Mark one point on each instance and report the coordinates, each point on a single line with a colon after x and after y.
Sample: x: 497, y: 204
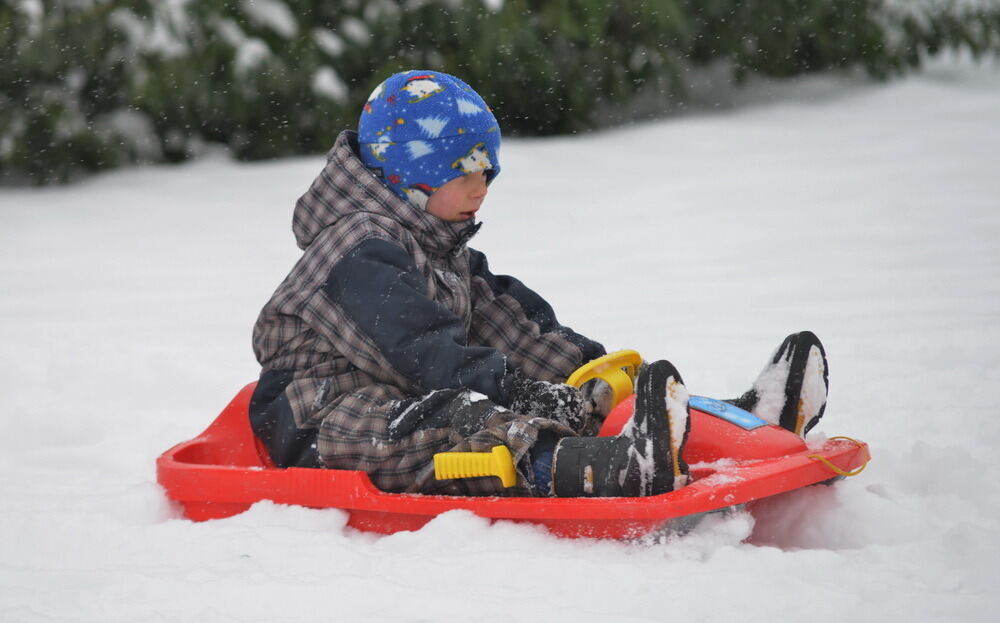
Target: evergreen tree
x: 91, y: 84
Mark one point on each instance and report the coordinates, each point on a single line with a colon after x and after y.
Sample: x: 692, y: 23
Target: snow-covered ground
x: 867, y: 213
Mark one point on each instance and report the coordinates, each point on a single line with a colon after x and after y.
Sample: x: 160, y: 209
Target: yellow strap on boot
x: 497, y: 463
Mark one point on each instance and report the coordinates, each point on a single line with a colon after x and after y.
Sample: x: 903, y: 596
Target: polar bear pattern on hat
x: 421, y: 87
x: 420, y: 129
x: 478, y: 159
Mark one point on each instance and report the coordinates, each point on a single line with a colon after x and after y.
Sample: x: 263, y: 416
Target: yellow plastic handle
x: 618, y: 370
x: 497, y: 463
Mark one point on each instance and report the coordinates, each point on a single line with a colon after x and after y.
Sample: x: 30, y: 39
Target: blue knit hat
x: 421, y: 129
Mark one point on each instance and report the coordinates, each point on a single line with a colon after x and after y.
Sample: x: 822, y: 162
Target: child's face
x: 459, y: 199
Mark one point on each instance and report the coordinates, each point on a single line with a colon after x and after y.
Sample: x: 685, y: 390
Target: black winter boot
x: 645, y: 458
x: 791, y: 389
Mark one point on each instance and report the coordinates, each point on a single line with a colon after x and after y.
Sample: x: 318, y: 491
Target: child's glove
x: 598, y: 400
x: 597, y: 396
x: 559, y: 402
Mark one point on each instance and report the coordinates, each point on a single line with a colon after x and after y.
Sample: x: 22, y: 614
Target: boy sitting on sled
x: 390, y: 340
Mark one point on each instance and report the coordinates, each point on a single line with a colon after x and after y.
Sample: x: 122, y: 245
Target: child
x: 391, y: 340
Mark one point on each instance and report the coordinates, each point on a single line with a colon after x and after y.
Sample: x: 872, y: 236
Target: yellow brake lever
x: 497, y: 463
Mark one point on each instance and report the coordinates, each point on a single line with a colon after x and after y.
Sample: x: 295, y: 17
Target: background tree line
x: 87, y: 85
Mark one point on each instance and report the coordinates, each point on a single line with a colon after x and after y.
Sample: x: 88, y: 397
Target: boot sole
x: 793, y: 416
x: 662, y: 397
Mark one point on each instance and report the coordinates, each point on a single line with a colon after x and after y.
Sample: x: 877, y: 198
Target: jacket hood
x: 346, y: 186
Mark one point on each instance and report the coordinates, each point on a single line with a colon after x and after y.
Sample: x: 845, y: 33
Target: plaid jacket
x: 381, y: 343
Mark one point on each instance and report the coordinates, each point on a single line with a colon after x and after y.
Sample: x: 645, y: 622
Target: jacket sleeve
x: 535, y: 308
x: 386, y: 316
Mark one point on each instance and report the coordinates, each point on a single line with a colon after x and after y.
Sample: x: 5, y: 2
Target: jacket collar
x: 346, y: 186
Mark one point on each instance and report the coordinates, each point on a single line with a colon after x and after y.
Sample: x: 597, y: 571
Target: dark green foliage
x: 784, y: 37
x: 87, y: 85
x: 885, y: 37
x: 545, y: 66
x: 56, y: 79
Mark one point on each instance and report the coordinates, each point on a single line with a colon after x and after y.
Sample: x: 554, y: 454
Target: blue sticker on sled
x: 726, y: 411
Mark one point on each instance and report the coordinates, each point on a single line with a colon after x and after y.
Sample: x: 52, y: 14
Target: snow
x: 813, y: 392
x: 229, y: 31
x: 327, y: 83
x: 897, y: 18
x: 250, y: 54
x: 169, y: 22
x: 272, y: 14
x: 864, y: 212
x: 770, y: 388
x: 133, y: 128
x: 165, y: 31
x: 677, y: 400
x: 35, y: 11
x: 328, y: 41
x: 355, y: 30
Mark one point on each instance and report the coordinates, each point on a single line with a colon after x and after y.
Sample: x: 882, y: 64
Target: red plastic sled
x: 734, y: 459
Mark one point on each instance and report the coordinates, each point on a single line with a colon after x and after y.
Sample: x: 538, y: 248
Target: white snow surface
x: 867, y: 213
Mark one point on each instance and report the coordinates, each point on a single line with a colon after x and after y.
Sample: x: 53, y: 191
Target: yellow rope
x: 837, y: 470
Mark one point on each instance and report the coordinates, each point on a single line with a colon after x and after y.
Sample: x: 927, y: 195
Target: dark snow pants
x: 393, y: 437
